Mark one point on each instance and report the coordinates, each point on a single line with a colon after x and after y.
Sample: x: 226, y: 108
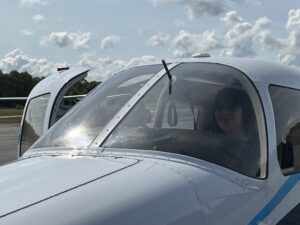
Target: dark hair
x: 232, y: 98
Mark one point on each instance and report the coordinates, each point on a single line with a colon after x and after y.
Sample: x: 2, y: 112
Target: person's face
x: 230, y: 120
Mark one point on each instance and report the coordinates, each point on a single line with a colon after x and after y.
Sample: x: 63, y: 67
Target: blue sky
x: 109, y: 35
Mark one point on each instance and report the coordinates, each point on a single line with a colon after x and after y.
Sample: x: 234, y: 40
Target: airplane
x: 183, y: 141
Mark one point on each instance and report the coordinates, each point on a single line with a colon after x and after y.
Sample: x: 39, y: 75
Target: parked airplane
x: 190, y: 141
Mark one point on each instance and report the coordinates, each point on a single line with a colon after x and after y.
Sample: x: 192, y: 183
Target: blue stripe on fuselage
x: 278, y: 197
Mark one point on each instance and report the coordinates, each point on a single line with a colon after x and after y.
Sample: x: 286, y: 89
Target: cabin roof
x: 258, y: 71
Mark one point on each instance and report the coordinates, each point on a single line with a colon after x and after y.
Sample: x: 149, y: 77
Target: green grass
x: 11, y: 112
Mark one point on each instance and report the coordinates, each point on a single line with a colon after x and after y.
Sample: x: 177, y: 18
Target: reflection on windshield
x: 84, y: 123
x: 208, y: 116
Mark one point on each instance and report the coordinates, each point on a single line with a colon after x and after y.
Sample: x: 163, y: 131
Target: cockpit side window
x: 208, y: 115
x: 286, y: 106
x: 34, y: 121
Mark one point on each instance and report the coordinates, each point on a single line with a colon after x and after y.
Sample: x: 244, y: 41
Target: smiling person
x: 235, y: 119
x: 233, y: 113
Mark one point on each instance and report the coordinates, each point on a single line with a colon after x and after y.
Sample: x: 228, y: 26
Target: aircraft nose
x: 52, y: 176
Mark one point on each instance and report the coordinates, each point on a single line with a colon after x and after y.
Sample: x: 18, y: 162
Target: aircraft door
x: 44, y: 105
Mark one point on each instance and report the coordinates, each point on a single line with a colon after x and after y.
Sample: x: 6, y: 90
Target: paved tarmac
x: 8, y: 141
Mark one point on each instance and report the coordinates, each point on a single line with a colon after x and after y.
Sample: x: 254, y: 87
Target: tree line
x: 19, y: 84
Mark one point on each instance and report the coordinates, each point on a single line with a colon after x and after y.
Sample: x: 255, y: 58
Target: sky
x: 107, y: 36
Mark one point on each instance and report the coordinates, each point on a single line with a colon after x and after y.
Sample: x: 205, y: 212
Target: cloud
x: 138, y: 61
x: 38, y: 18
x: 293, y: 19
x: 158, y: 39
x: 231, y: 18
x: 110, y: 41
x: 78, y: 40
x: 185, y: 44
x: 13, y: 60
x: 237, y: 38
x: 269, y: 42
x: 243, y: 39
x: 199, y: 8
x: 101, y: 68
x: 27, y: 32
x: 291, y: 53
x: 17, y: 60
x: 31, y: 3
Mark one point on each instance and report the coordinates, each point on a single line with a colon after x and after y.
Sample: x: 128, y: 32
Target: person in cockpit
x: 233, y: 113
x: 235, y: 119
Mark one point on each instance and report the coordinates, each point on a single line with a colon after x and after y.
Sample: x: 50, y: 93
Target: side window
x: 286, y: 106
x: 34, y: 121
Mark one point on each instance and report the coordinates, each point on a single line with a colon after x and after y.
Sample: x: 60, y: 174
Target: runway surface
x: 8, y: 141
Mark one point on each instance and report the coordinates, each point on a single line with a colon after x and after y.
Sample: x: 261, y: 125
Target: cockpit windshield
x: 209, y: 115
x: 83, y: 124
